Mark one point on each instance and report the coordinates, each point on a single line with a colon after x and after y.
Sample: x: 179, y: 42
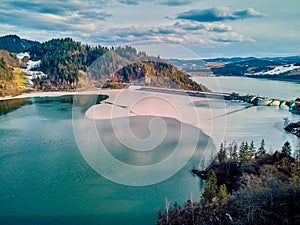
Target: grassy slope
x: 11, y: 86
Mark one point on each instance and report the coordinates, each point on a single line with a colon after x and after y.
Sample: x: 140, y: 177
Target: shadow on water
x: 232, y: 112
x: 7, y: 106
x: 86, y: 101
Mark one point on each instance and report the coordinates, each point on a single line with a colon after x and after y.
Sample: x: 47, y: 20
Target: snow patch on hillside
x: 29, y: 66
x: 279, y: 69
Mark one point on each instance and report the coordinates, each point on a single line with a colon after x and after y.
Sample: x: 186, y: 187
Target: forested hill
x: 14, y: 43
x: 10, y: 74
x: 158, y: 74
x: 65, y: 61
x: 244, y: 185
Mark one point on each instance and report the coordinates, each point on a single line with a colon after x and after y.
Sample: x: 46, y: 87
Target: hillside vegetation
x: 10, y: 58
x: 10, y: 77
x: 63, y: 60
x: 66, y: 62
x: 244, y: 185
x: 71, y: 65
x: 157, y: 74
x: 14, y: 43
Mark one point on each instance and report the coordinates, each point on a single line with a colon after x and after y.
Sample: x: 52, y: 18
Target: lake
x: 262, y: 87
x: 257, y: 122
x: 46, y: 179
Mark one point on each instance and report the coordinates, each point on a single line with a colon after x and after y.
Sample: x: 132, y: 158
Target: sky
x: 169, y: 28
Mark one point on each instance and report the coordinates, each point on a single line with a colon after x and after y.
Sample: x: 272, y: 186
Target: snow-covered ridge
x: 278, y: 70
x: 31, y: 65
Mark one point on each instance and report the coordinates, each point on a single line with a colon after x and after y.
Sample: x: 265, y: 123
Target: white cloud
x: 218, y: 14
x: 178, y: 33
x: 213, y: 27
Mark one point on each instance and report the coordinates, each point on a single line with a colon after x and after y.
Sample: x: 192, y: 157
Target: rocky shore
x: 293, y: 128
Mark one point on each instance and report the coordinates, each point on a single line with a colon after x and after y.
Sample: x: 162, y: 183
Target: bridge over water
x: 293, y: 105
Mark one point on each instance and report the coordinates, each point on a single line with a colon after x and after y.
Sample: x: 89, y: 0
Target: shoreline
x: 46, y: 94
x: 212, y: 116
x: 62, y: 93
x: 140, y: 102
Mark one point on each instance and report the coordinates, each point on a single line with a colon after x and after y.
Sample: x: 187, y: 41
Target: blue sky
x: 170, y: 28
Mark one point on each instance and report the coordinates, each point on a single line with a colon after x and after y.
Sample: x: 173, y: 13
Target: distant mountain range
x: 15, y: 44
x: 282, y: 68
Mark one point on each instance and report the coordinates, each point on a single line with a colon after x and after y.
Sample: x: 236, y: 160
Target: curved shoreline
x: 214, y: 119
x: 38, y: 94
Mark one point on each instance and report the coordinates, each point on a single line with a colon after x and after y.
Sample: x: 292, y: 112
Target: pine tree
x: 210, y: 188
x: 244, y: 151
x: 222, y: 155
x: 286, y: 150
x: 235, y: 156
x: 261, y: 149
x: 252, y: 149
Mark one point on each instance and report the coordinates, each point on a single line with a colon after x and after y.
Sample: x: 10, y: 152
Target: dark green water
x: 45, y: 180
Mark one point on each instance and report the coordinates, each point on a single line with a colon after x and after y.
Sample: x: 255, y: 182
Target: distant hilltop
x: 15, y: 44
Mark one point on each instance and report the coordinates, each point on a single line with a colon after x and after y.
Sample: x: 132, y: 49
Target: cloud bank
x: 218, y: 14
x: 191, y: 23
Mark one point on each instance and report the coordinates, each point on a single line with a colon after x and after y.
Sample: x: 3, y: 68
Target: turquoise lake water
x: 45, y: 180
